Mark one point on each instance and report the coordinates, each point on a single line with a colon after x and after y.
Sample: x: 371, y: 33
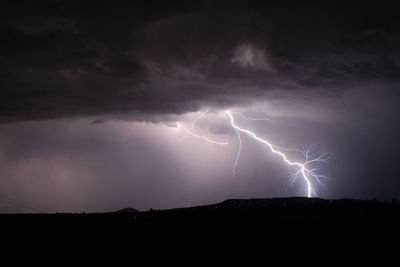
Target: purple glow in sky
x: 97, y: 100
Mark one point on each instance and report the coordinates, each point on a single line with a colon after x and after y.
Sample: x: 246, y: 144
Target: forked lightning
x: 304, y: 169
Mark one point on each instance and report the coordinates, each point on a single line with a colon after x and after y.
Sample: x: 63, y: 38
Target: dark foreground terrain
x: 236, y: 214
x: 246, y: 229
x: 230, y: 229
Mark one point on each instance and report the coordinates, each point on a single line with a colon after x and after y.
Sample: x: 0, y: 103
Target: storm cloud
x: 63, y: 58
x: 91, y: 93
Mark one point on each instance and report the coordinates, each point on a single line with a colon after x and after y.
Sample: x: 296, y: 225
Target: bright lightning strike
x: 238, y: 153
x: 189, y: 132
x: 309, y: 174
x: 306, y: 173
x: 252, y: 119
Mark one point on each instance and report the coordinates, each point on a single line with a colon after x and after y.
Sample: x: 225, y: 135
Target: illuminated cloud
x: 97, y: 92
x: 247, y: 56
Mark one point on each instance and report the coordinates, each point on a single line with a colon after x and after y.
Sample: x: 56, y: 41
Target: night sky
x: 94, y: 94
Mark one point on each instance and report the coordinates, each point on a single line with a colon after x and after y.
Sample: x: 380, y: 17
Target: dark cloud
x: 64, y: 58
x: 98, y: 121
x: 320, y: 71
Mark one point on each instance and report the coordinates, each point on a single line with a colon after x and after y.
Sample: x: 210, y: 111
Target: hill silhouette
x: 229, y: 215
x: 127, y: 210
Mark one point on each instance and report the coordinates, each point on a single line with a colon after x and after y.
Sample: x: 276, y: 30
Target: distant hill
x: 126, y: 210
x: 292, y: 202
x: 284, y: 223
x: 234, y: 214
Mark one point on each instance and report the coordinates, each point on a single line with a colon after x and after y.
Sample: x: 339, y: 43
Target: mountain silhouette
x: 127, y: 210
x: 233, y: 215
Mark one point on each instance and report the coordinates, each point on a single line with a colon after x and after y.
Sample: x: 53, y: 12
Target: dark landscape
x: 314, y: 212
x: 210, y: 119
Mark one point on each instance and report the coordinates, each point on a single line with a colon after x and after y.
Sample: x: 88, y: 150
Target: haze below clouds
x: 91, y: 94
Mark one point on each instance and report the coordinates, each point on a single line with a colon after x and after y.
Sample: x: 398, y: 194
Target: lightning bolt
x: 305, y: 172
x: 309, y: 174
x: 240, y: 139
x: 238, y: 153
x: 251, y: 119
x: 189, y: 131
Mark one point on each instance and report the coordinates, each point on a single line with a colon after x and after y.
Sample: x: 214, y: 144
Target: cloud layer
x: 63, y: 59
x: 91, y: 93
